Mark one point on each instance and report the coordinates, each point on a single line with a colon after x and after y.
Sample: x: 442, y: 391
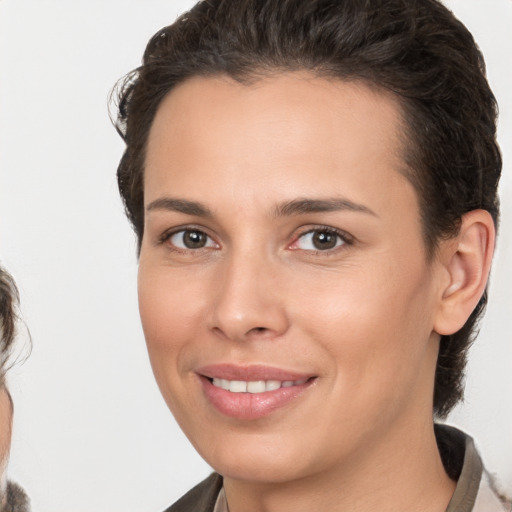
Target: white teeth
x: 254, y: 386
x: 238, y: 386
x: 221, y: 383
x: 257, y: 386
x: 273, y: 384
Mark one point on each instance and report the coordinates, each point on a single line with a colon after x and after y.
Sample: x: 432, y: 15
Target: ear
x: 467, y: 259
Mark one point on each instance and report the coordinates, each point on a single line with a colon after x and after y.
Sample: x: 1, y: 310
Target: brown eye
x: 323, y: 240
x: 191, y: 239
x: 319, y: 240
x: 194, y: 239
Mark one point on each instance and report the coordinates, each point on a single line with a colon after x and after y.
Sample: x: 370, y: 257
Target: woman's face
x: 283, y: 260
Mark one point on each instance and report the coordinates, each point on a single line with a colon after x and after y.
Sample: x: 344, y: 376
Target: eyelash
x: 343, y: 237
x: 167, y: 235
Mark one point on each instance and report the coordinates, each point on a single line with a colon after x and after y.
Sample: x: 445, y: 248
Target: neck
x: 401, y: 471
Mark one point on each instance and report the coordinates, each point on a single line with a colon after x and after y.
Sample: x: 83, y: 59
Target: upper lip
x: 248, y: 373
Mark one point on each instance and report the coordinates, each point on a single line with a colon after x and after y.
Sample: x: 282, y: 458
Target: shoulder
x: 16, y: 499
x: 489, y: 498
x: 201, y: 498
x: 475, y: 490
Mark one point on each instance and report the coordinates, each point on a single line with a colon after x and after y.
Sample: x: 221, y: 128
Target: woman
x: 313, y: 187
x: 12, y: 497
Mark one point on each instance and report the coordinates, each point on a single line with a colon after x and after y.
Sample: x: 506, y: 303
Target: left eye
x: 319, y: 240
x: 191, y: 239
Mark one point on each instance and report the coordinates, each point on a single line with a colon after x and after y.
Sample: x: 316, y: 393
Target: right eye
x: 190, y: 239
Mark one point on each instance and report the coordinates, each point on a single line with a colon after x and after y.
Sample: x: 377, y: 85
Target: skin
x: 363, y: 317
x: 5, y: 436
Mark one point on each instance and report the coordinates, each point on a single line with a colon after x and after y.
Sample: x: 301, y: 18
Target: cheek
x: 169, y: 310
x: 374, y: 322
x: 169, y: 306
x: 170, y: 322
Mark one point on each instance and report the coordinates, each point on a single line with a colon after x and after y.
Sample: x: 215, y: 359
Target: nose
x: 248, y: 303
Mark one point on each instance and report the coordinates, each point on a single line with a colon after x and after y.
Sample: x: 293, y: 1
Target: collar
x: 475, y: 490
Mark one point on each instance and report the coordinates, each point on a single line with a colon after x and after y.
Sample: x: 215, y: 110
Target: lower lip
x: 251, y: 406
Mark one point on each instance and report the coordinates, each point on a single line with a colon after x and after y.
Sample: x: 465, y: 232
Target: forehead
x: 280, y: 100
x: 290, y: 127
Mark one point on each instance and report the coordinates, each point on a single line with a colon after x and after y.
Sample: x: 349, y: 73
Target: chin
x: 258, y: 458
x: 258, y: 470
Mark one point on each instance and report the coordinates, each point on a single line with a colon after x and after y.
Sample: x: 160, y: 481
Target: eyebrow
x: 286, y: 209
x: 303, y: 206
x: 179, y: 205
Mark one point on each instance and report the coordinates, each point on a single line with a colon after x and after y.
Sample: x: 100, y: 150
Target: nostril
x: 257, y: 330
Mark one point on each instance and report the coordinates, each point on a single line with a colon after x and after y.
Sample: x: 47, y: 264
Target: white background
x: 91, y: 430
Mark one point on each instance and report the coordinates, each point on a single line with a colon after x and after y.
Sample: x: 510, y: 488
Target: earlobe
x: 467, y: 260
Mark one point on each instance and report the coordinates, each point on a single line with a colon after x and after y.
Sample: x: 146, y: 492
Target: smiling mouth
x: 254, y: 386
x: 251, y: 392
x: 249, y: 400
